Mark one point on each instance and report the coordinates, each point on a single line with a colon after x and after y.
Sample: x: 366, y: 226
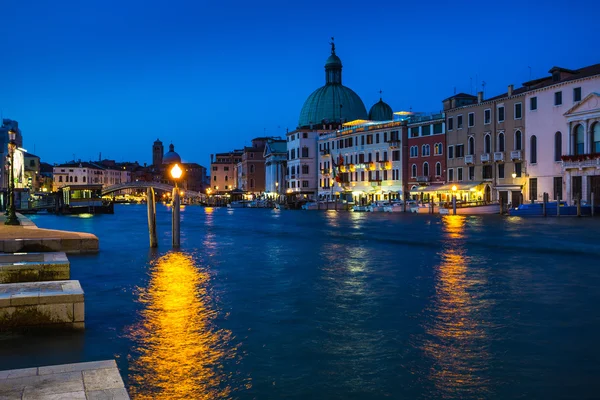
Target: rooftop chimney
x: 510, y: 90
x: 479, y: 97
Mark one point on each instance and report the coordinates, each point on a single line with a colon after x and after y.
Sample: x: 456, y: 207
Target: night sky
x: 111, y: 76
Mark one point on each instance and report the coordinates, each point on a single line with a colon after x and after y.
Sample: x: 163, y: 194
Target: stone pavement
x: 27, y: 238
x: 86, y: 381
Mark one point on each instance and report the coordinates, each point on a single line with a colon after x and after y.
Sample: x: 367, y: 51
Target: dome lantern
x: 171, y: 157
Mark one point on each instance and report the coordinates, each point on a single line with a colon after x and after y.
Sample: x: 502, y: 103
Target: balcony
x: 581, y: 161
x: 499, y: 156
x: 423, y: 179
x: 325, y: 171
x: 469, y: 159
x: 485, y: 158
x: 326, y: 152
x: 516, y: 155
x: 393, y: 143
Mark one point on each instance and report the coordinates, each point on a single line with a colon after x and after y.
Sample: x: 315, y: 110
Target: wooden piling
x: 544, y: 204
x: 579, y: 206
x: 151, y: 205
x: 592, y: 201
x: 453, y: 204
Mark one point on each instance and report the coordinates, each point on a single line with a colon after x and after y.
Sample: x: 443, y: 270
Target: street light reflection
x: 180, y: 353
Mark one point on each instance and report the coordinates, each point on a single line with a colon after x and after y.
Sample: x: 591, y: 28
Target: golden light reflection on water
x: 181, y: 353
x: 457, y: 341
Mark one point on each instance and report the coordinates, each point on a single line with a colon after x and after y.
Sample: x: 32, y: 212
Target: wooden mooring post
x: 545, y: 204
x: 151, y: 203
x: 579, y: 205
x: 592, y: 201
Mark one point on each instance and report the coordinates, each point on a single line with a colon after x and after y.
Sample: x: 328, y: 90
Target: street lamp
x: 12, y: 215
x: 514, y: 175
x: 176, y: 173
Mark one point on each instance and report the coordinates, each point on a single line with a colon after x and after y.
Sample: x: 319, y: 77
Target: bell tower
x: 157, y: 153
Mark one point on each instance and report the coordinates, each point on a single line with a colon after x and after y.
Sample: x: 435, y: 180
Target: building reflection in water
x: 455, y: 329
x: 179, y: 353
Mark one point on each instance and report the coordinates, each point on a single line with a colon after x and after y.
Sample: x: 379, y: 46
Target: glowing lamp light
x: 514, y: 175
x: 454, y: 188
x: 176, y: 171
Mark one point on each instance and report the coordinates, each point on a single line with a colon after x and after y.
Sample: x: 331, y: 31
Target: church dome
x: 381, y: 111
x: 333, y: 102
x: 171, y: 157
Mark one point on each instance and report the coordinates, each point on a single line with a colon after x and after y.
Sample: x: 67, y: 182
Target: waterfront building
x: 45, y: 177
x: 302, y: 159
x: 485, y: 143
x: 223, y: 177
x: 275, y: 156
x: 157, y: 153
x: 251, y: 169
x: 563, y: 134
x: 323, y: 112
x: 362, y: 161
x: 7, y: 125
x: 426, y: 163
x: 31, y: 168
x: 87, y: 173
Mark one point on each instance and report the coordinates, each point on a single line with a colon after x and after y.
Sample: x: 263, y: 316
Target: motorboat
x: 239, y: 204
x: 362, y: 209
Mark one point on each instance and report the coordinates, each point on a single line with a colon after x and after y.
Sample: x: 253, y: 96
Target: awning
x: 448, y: 187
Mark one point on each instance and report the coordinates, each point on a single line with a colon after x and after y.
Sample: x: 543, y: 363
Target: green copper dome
x: 381, y: 111
x: 333, y: 102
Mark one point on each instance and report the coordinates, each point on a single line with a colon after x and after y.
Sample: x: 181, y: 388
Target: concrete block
x: 57, y: 369
x: 79, y: 395
x: 78, y: 326
x: 12, y: 245
x: 101, y: 379
x: 24, y: 299
x: 52, y: 244
x: 56, y: 313
x: 55, y: 297
x: 108, y: 394
x: 89, y: 244
x: 78, y: 312
x: 70, y: 245
x: 47, y: 385
x: 18, y: 373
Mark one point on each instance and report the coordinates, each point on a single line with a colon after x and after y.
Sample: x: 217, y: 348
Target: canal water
x: 268, y: 304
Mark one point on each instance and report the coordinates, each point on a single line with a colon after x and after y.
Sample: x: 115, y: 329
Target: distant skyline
x: 110, y: 77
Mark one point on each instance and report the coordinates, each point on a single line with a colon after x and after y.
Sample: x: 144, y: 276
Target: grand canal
x: 333, y: 305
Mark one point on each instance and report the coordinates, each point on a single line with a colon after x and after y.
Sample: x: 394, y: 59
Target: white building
x: 275, y: 156
x: 302, y: 161
x: 86, y: 173
x: 563, y: 134
x: 361, y: 162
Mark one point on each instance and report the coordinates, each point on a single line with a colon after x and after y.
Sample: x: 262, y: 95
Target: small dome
x: 171, y: 157
x: 333, y: 61
x: 381, y: 111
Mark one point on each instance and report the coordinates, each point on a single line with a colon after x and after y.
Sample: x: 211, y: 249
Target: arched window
x: 226, y: 178
x: 426, y: 169
x: 438, y: 169
x: 84, y: 179
x: 596, y: 138
x: 251, y: 168
x: 518, y: 140
x: 557, y: 146
x: 487, y: 144
x: 471, y: 146
x: 579, y: 140
x: 501, y: 141
x: 75, y: 179
x: 414, y: 171
x: 70, y: 179
x: 533, y: 150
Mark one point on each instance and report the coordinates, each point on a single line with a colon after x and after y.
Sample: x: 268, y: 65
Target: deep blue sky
x: 90, y: 76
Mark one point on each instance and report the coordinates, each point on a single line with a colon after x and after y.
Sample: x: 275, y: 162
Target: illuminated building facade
x: 362, y: 161
x: 275, y: 156
x: 223, y: 176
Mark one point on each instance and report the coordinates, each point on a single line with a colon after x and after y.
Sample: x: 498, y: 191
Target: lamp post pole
x: 454, y: 200
x: 12, y: 215
x: 176, y: 174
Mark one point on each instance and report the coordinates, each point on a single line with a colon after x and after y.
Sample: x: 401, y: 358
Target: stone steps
x: 88, y: 380
x: 49, y: 304
x: 33, y: 267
